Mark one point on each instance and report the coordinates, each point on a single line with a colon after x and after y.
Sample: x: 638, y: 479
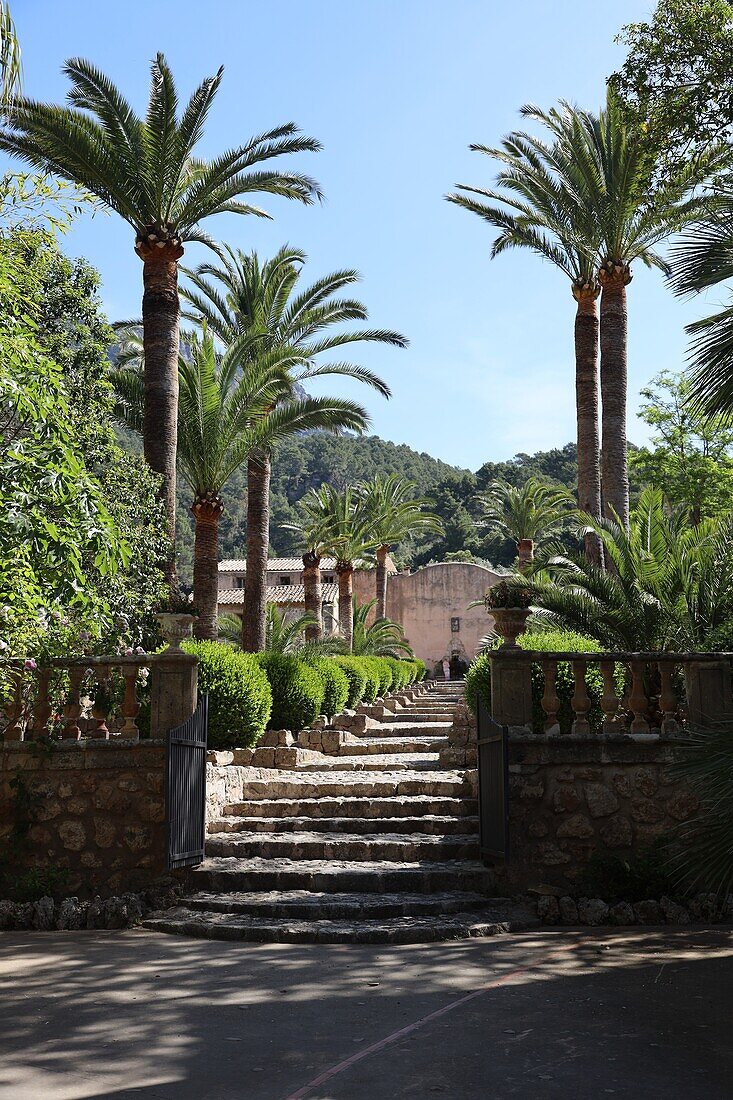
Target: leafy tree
x: 528, y: 515
x: 146, y: 171
x: 690, y: 458
x: 395, y: 512
x: 676, y: 77
x: 263, y: 300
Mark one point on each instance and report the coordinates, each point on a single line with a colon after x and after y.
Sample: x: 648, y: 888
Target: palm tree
x: 395, y: 514
x: 384, y: 638
x: 146, y: 171
x: 701, y: 259
x: 527, y: 515
x: 542, y: 209
x: 634, y: 207
x: 311, y: 530
x: 242, y: 294
x: 223, y: 413
x: 10, y: 67
x: 341, y: 526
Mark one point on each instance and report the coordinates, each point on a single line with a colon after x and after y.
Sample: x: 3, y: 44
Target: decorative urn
x: 175, y: 627
x: 508, y: 603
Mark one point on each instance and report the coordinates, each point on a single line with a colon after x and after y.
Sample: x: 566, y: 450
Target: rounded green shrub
x: 371, y: 675
x: 478, y: 677
x: 240, y: 699
x: 383, y: 670
x: 355, y: 676
x: 297, y: 691
x: 336, y: 685
x: 421, y: 670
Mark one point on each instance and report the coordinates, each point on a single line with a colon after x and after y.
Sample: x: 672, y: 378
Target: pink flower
x: 29, y: 663
x: 128, y: 652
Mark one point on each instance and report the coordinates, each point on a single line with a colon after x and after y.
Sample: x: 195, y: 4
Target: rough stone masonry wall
x: 571, y: 797
x: 98, y: 809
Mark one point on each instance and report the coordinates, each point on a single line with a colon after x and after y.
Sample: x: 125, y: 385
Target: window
x: 328, y: 579
x: 455, y: 626
x: 285, y: 580
x: 239, y: 582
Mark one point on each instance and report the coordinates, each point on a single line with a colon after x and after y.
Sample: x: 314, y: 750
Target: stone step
x: 386, y: 785
x: 374, y: 762
x: 230, y: 926
x: 414, y: 718
x: 406, y: 729
x: 224, y: 875
x: 381, y: 745
x: 358, y: 808
x: 305, y: 904
x: 432, y: 824
x: 342, y: 847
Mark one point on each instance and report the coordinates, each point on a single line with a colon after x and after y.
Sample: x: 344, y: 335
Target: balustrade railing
x: 629, y: 694
x: 96, y: 698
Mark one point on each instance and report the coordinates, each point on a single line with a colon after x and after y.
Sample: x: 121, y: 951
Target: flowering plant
x: 508, y: 594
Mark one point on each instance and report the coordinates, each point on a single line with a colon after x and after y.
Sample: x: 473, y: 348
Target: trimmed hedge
x: 421, y: 670
x: 478, y: 678
x: 384, y: 673
x: 240, y: 699
x: 336, y: 685
x: 297, y: 691
x: 356, y: 677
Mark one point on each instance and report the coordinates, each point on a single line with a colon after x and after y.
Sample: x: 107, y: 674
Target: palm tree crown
x: 527, y: 515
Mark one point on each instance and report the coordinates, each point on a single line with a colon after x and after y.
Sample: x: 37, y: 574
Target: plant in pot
x: 508, y: 602
x: 176, y: 618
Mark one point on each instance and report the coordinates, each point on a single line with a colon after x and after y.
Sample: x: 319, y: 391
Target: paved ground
x: 558, y: 1014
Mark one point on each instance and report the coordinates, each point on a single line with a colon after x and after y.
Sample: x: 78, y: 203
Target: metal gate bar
x: 185, y: 789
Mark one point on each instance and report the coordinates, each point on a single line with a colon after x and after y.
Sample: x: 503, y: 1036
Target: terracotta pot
x: 509, y: 623
x: 175, y: 627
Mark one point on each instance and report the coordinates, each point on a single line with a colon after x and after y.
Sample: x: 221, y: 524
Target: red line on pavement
x: 389, y: 1039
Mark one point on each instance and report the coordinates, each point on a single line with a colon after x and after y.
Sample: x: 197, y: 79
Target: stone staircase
x: 377, y: 845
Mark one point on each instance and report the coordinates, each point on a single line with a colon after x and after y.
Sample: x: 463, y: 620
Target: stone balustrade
x: 97, y: 698
x: 644, y: 695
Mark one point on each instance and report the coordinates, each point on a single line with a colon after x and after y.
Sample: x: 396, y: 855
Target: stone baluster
x: 14, y: 709
x: 130, y: 707
x: 42, y: 708
x: 610, y: 701
x: 638, y: 704
x: 581, y: 700
x: 667, y: 698
x: 100, y: 710
x: 550, y: 699
x: 72, y: 710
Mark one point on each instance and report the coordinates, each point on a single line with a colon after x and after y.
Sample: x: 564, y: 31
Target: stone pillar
x: 511, y: 690
x: 709, y: 695
x: 173, y: 691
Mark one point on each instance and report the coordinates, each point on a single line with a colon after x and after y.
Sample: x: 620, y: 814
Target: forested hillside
x: 310, y: 460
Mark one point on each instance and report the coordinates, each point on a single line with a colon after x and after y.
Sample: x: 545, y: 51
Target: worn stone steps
x: 415, y: 718
x: 315, y: 905
x: 407, y: 929
x: 345, y: 876
x: 431, y: 824
x: 400, y: 847
x: 367, y: 744
x: 353, y: 807
x: 374, y: 762
x: 384, y: 785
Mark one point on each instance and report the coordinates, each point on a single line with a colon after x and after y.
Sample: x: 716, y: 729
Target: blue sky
x: 396, y: 90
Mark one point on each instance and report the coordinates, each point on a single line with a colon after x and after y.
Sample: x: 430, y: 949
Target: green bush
x: 383, y: 670
x: 478, y: 678
x: 421, y: 670
x: 240, y: 700
x: 402, y: 673
x: 356, y: 677
x: 335, y: 682
x: 297, y: 691
x: 371, y: 675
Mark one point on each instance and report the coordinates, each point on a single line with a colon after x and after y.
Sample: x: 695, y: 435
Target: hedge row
x: 251, y: 692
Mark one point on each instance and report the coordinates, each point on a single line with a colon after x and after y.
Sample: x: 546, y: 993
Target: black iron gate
x: 185, y: 789
x: 493, y: 785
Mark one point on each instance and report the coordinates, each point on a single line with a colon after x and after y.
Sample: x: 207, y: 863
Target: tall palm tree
x: 340, y: 524
x: 10, y: 67
x: 243, y: 294
x: 542, y: 209
x: 396, y: 512
x: 223, y: 417
x: 311, y: 530
x: 701, y: 259
x: 146, y: 171
x: 527, y: 515
x: 384, y: 638
x: 634, y: 207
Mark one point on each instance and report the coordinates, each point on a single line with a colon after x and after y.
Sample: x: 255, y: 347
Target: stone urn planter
x: 175, y: 628
x: 509, y: 623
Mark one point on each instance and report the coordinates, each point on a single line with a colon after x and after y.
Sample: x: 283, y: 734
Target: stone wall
x: 97, y: 809
x: 571, y: 797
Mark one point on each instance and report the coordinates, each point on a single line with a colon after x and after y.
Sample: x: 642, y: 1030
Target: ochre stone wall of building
x: 571, y: 797
x: 424, y: 603
x: 98, y: 809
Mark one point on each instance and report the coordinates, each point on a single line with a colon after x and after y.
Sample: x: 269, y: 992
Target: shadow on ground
x: 620, y: 1013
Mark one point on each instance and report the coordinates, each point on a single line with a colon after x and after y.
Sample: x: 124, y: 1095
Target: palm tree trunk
x: 525, y: 554
x: 345, y: 571
x: 259, y: 469
x: 381, y: 571
x: 586, y: 399
x: 312, y: 586
x: 207, y: 514
x: 614, y: 278
x: 161, y: 314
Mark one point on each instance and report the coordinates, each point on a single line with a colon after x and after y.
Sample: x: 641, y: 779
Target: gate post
x: 511, y: 690
x: 173, y: 691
